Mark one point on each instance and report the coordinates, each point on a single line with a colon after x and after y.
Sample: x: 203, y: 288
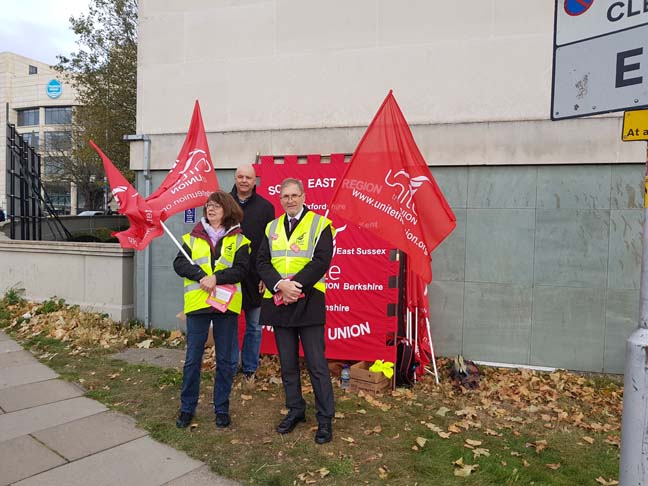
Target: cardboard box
x: 367, y: 381
x: 356, y: 385
x: 360, y: 371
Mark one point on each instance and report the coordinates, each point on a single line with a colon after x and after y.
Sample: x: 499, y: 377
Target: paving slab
x: 16, y: 358
x: 201, y: 476
x: 31, y: 420
x: 23, y: 457
x: 35, y: 394
x: 4, y: 336
x: 142, y: 462
x: 162, y: 357
x: 9, y: 346
x: 27, y: 373
x: 90, y: 435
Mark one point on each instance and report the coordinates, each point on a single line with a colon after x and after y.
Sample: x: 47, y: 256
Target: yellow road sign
x: 635, y: 125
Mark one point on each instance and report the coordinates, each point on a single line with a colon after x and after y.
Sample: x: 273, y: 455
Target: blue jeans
x: 225, y: 328
x: 251, y: 342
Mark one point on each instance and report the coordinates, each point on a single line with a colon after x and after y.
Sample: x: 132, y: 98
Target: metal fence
x: 29, y: 207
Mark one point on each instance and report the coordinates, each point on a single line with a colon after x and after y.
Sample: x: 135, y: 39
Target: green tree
x: 104, y: 73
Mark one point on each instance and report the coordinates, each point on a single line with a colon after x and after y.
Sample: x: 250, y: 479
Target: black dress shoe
x: 184, y: 420
x: 289, y: 423
x: 324, y: 433
x: 222, y: 420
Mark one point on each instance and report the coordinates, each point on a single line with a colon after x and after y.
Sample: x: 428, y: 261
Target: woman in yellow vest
x: 220, y: 253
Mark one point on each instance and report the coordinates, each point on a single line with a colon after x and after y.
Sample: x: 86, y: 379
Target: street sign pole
x: 633, y: 469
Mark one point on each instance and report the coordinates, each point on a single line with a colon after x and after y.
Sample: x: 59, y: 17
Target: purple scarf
x: 214, y: 235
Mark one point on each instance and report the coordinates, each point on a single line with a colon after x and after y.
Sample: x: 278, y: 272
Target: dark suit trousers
x: 312, y: 340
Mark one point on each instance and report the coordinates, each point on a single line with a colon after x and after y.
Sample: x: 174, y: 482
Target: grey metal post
x: 147, y: 251
x: 633, y: 468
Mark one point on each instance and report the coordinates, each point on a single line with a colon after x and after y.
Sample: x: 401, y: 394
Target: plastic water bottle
x: 345, y: 377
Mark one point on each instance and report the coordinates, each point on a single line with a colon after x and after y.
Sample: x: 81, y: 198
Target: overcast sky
x: 39, y: 29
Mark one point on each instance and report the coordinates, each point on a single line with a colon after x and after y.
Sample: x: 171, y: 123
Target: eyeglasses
x: 213, y: 206
x: 290, y: 197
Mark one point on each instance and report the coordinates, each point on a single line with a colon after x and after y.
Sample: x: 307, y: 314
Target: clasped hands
x: 290, y: 289
x: 208, y: 283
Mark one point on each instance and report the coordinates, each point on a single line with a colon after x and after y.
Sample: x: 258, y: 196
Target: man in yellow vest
x: 292, y: 261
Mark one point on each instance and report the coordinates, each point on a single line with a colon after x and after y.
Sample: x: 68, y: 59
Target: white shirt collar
x: 298, y: 215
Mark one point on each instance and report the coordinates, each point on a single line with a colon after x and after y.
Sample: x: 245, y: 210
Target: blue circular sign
x: 577, y: 7
x: 54, y: 88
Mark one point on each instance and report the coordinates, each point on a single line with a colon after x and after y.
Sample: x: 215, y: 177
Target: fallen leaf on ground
x: 553, y: 466
x: 246, y: 397
x: 174, y: 335
x: 473, y: 442
x: 146, y: 344
x: 589, y: 440
x: 606, y: 482
x: 442, y: 411
x: 421, y: 441
x: 538, y: 445
x: 432, y: 427
x: 463, y: 470
x: 479, y: 451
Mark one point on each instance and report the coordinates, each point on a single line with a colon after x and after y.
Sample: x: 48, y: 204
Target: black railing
x: 28, y: 204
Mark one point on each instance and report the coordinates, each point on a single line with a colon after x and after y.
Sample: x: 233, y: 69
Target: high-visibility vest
x: 289, y: 256
x: 194, y: 297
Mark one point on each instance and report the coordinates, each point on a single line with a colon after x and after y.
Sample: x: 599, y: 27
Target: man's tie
x: 293, y: 223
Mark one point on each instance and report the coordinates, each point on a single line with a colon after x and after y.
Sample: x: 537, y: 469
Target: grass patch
x: 518, y: 427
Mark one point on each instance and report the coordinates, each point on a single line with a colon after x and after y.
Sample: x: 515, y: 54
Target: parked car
x: 90, y: 213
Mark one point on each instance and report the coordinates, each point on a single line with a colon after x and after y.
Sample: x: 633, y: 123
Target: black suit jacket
x: 307, y: 311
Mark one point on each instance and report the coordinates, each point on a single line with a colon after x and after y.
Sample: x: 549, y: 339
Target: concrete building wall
x: 96, y: 276
x: 555, y: 285
x: 543, y: 268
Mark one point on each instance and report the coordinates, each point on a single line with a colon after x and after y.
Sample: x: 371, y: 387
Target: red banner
x: 192, y: 178
x: 361, y: 304
x: 388, y: 190
x: 144, y: 221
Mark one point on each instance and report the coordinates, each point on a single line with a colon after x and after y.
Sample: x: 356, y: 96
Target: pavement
x: 51, y: 434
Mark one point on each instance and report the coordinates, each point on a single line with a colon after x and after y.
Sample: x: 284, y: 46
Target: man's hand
x: 208, y: 283
x: 262, y: 286
x: 291, y: 290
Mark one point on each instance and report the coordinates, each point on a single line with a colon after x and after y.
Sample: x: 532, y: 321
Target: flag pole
x: 177, y: 243
x: 436, y: 372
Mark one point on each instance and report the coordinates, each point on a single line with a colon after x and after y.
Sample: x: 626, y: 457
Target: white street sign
x: 600, y: 57
x: 578, y: 20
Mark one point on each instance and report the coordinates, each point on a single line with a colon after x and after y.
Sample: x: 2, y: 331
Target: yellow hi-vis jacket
x: 194, y: 297
x: 289, y: 256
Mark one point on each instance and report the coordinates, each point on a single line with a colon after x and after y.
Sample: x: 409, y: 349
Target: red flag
x: 388, y: 190
x: 144, y: 221
x: 192, y: 178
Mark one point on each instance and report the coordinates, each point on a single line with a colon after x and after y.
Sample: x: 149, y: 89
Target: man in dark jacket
x: 257, y: 213
x: 292, y: 261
